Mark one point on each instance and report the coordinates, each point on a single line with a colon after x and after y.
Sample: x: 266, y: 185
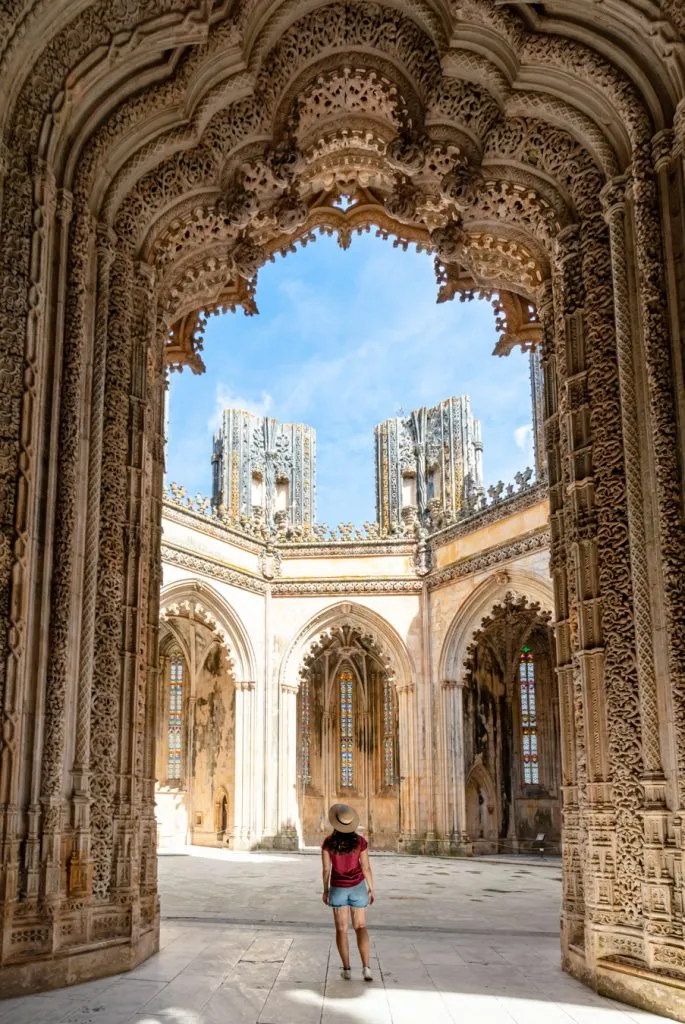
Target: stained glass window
x: 175, y: 720
x: 529, y: 721
x: 388, y: 733
x: 305, y: 729
x: 345, y: 681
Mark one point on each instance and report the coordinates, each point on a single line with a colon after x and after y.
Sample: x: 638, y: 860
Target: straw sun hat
x: 343, y: 818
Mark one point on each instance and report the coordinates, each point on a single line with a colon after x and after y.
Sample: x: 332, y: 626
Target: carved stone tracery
x: 195, y: 179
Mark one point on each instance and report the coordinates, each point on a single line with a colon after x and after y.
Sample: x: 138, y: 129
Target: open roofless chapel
x: 471, y: 671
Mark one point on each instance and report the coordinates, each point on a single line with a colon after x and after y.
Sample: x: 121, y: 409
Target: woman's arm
x: 326, y: 871
x: 366, y: 868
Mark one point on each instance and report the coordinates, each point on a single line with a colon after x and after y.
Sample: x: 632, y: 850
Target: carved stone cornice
x: 536, y: 540
x: 348, y: 548
x: 177, y: 556
x: 387, y: 585
x: 211, y: 527
x: 492, y: 514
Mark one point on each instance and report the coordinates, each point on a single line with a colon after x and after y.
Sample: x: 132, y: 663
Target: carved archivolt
x: 153, y: 155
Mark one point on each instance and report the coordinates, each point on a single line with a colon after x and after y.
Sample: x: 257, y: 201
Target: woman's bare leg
x: 341, y: 916
x: 359, y: 925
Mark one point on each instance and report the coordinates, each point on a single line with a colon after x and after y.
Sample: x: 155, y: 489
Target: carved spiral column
x: 288, y: 811
x: 107, y: 674
x: 245, y: 765
x: 657, y: 345
x: 455, y: 770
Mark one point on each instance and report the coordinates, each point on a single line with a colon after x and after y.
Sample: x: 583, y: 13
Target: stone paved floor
x: 246, y: 940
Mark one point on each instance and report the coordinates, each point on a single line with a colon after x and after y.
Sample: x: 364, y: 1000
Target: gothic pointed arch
x: 203, y: 601
x: 369, y: 623
x: 489, y: 592
x: 153, y: 156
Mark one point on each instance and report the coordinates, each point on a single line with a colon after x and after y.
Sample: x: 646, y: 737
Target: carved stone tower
x: 429, y: 463
x: 263, y: 467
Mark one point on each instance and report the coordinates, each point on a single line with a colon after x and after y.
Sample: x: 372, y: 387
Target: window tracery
x: 389, y: 774
x: 175, y: 676
x: 529, y: 722
x: 345, y: 687
x: 305, y: 731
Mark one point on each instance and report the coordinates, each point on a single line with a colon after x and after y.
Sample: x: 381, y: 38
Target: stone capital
x: 613, y: 195
x: 663, y: 145
x: 453, y: 684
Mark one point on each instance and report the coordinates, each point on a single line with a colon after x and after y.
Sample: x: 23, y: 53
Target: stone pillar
x: 614, y: 201
x: 455, y: 769
x: 288, y: 811
x: 408, y: 787
x: 537, y: 389
x: 65, y: 611
x: 80, y: 864
x: 245, y: 765
x: 657, y: 352
x: 107, y: 674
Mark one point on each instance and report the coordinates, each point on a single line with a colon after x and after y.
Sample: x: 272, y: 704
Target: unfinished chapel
x: 480, y: 665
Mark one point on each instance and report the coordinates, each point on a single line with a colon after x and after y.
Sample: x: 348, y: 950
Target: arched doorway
x: 538, y: 154
x: 481, y: 809
x: 348, y: 740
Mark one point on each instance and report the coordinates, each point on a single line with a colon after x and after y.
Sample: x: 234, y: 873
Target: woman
x: 348, y: 884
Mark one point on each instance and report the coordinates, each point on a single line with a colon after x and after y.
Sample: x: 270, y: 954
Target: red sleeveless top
x: 346, y: 867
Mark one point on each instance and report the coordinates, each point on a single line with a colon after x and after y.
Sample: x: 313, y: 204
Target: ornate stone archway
x: 153, y: 156
x: 220, y: 723
x: 376, y: 637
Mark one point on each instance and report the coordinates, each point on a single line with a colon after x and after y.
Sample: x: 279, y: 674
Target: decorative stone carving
x: 148, y: 115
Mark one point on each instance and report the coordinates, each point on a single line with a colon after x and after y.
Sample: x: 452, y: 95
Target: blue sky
x: 343, y: 340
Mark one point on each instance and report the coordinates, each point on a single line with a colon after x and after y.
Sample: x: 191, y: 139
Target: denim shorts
x: 352, y: 896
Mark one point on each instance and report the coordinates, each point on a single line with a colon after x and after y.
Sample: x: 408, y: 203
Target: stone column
x: 80, y: 865
x: 407, y: 791
x: 537, y: 389
x: 455, y: 769
x: 664, y: 450
x: 65, y: 608
x: 107, y: 672
x: 554, y: 308
x: 245, y: 766
x: 288, y: 811
x: 614, y: 202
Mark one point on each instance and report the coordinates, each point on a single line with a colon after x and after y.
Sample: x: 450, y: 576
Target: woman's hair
x: 342, y: 842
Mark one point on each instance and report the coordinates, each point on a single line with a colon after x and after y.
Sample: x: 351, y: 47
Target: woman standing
x: 348, y: 884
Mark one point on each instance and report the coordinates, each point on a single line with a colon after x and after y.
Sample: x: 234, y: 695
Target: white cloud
x: 523, y: 436
x: 227, y: 398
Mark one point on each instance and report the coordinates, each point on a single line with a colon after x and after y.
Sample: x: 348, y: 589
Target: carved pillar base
x: 100, y: 953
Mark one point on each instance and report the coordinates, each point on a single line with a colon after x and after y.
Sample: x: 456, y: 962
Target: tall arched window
x: 305, y: 731
x: 389, y: 773
x: 345, y: 684
x: 529, y: 722
x: 175, y: 719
